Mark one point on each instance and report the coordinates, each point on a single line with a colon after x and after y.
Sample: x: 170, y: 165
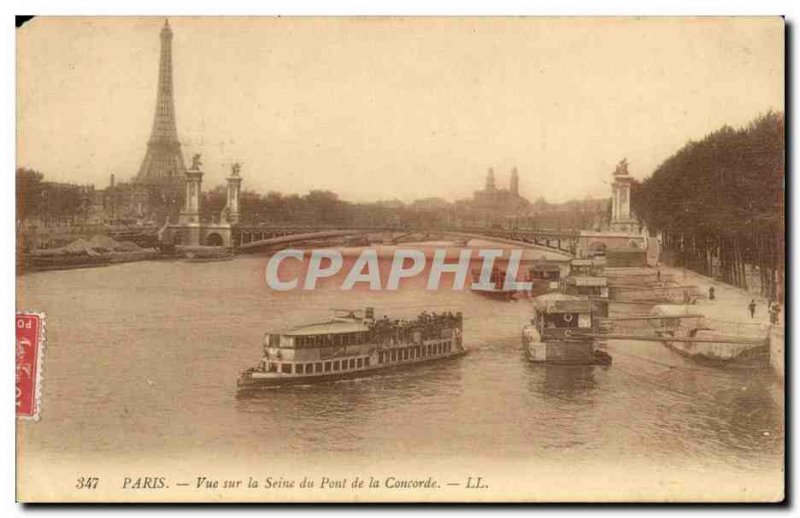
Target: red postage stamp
x: 30, y: 348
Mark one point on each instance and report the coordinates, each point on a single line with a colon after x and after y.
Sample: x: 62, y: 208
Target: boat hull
x: 725, y: 353
x: 745, y: 357
x: 496, y: 294
x: 248, y: 385
x: 566, y: 353
x: 561, y: 351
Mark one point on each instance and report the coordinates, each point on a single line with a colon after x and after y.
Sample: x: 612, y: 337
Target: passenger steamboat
x: 352, y: 344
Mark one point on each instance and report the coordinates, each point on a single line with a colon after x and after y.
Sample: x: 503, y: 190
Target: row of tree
x: 49, y: 201
x: 43, y: 201
x: 294, y: 209
x: 719, y: 203
x: 326, y: 206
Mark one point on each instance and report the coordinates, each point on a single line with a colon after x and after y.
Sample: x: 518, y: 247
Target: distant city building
x: 500, y: 201
x: 506, y: 208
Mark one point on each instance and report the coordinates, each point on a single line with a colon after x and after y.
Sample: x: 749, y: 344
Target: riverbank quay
x: 730, y: 303
x: 36, y: 263
x: 102, y: 250
x: 38, y: 237
x: 729, y: 311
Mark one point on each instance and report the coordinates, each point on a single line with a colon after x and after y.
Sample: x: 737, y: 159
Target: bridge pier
x: 200, y: 234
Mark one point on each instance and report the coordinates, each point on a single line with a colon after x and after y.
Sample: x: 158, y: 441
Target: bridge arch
x: 597, y: 246
x: 563, y: 244
x: 214, y: 239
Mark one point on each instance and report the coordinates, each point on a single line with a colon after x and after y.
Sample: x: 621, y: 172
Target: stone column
x: 625, y: 201
x: 621, y: 217
x: 231, y: 212
x: 614, y: 202
x: 191, y: 209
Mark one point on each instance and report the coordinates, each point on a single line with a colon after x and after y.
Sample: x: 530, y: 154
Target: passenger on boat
x: 430, y: 325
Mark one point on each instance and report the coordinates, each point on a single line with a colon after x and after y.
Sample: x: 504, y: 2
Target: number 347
x: 87, y: 483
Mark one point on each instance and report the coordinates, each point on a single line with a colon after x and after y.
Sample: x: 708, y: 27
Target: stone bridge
x: 268, y: 238
x: 250, y: 239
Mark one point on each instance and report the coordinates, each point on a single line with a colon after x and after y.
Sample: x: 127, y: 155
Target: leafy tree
x: 29, y: 188
x: 720, y: 200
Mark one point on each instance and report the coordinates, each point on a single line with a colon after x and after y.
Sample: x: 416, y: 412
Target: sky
x: 393, y: 108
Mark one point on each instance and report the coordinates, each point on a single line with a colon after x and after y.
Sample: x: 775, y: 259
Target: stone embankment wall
x: 776, y: 354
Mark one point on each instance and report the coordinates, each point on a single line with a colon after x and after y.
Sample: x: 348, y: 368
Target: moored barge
x: 561, y: 332
x: 545, y: 277
x: 496, y: 288
x: 352, y: 345
x: 688, y: 334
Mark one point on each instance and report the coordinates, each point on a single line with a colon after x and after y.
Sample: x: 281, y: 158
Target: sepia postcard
x: 398, y: 259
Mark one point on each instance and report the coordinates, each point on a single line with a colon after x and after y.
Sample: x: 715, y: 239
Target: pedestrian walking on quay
x: 711, y: 295
x: 752, y: 307
x: 774, y: 312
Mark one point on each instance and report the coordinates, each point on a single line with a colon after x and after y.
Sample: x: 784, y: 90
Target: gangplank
x: 667, y: 338
x: 666, y: 330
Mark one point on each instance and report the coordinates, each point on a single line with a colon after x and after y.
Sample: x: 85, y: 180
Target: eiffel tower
x: 163, y: 163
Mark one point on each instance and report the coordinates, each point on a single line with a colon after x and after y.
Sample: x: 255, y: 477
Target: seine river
x: 142, y: 360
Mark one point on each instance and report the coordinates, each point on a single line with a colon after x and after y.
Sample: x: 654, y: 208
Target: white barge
x: 562, y: 332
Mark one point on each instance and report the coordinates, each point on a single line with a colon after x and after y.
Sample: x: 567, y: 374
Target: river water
x: 142, y: 360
